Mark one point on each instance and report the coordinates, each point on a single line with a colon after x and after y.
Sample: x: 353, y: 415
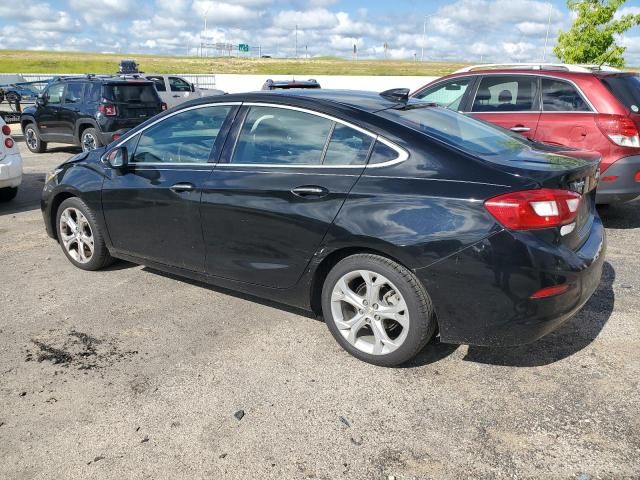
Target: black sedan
x: 392, y: 218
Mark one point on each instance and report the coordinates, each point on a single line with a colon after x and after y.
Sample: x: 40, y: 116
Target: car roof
x: 356, y: 99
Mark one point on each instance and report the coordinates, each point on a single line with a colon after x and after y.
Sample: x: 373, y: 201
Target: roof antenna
x: 396, y: 95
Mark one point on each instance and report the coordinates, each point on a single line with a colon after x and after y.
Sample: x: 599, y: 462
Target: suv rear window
x: 131, y: 92
x: 626, y: 88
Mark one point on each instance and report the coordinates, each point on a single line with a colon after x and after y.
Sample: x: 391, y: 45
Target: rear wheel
x: 7, y: 194
x: 89, y: 140
x: 80, y: 237
x: 377, y: 310
x: 32, y: 139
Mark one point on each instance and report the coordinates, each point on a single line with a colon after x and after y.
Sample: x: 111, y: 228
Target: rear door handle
x: 309, y: 191
x: 520, y: 129
x: 182, y: 187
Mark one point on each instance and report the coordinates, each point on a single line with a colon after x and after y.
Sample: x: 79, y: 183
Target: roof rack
x: 541, y: 66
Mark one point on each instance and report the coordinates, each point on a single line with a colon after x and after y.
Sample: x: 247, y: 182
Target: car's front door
x: 48, y: 116
x: 276, y: 191
x: 449, y: 93
x: 180, y: 90
x: 152, y: 207
x: 511, y: 101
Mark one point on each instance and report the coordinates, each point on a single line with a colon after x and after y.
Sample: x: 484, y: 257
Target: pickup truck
x: 175, y: 90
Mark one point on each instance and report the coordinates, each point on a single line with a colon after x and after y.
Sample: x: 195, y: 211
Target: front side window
x: 55, y: 93
x: 448, y: 94
x: 186, y: 137
x: 506, y: 93
x: 279, y: 136
x: 74, y: 93
x: 179, y: 85
x: 558, y: 96
x: 347, y: 146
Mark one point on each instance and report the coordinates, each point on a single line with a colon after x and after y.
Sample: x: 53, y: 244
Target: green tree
x: 592, y: 37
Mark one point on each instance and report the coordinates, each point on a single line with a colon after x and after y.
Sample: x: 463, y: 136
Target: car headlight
x: 52, y: 175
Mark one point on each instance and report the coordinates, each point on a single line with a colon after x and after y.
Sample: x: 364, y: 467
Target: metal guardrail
x: 199, y: 80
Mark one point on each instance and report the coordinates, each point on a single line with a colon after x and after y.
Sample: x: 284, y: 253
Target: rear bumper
x: 482, y: 294
x: 624, y: 188
x: 11, y: 170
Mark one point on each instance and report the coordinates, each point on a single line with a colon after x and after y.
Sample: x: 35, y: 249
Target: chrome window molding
x: 537, y: 75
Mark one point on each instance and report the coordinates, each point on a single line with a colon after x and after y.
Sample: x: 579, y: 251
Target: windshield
x: 131, y: 93
x: 626, y: 89
x: 459, y: 131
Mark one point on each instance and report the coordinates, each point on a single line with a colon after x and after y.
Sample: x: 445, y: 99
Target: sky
x: 465, y: 30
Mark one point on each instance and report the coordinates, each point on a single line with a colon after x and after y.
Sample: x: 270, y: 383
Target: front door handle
x: 310, y: 191
x: 520, y: 129
x: 182, y: 187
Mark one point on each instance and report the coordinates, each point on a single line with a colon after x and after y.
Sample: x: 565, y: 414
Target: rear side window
x: 559, y: 96
x: 506, y: 93
x: 347, y: 147
x: 279, y: 136
x: 448, y: 94
x: 382, y: 153
x: 186, y: 137
x: 626, y: 88
x: 124, y: 93
x: 159, y: 82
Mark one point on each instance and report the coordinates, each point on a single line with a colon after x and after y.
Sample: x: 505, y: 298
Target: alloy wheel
x: 370, y: 312
x: 76, y: 235
x: 88, y: 142
x: 31, y: 139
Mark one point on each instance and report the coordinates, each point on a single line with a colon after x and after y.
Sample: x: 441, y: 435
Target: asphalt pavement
x: 130, y: 373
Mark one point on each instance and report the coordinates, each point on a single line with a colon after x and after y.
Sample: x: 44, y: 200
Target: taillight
x: 115, y: 136
x: 533, y: 209
x: 8, y: 142
x: 620, y: 129
x: 163, y: 106
x: 636, y: 177
x: 609, y: 178
x: 6, y: 130
x: 551, y: 291
x: 108, y: 110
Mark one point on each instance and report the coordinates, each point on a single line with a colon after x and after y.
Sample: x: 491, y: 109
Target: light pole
x: 424, y: 35
x: 546, y: 38
x: 206, y: 13
x: 296, y: 41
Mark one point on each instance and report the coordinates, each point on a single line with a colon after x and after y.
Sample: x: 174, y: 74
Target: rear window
x: 626, y: 88
x: 459, y: 130
x: 136, y: 93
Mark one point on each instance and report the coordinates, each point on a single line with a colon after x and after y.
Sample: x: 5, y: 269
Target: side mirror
x: 193, y: 87
x: 117, y: 158
x: 41, y: 99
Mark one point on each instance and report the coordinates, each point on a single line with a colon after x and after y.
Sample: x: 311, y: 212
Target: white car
x: 176, y: 90
x: 10, y: 164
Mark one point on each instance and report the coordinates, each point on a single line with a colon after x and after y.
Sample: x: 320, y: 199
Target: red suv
x: 582, y: 107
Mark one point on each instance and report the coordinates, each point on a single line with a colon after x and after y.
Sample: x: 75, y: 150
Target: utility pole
x: 424, y: 34
x: 296, y: 41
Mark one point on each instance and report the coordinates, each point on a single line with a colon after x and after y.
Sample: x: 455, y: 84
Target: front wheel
x: 377, y: 310
x: 80, y: 237
x: 32, y: 139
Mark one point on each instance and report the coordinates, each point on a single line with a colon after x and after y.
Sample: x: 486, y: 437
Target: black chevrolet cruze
x: 393, y: 218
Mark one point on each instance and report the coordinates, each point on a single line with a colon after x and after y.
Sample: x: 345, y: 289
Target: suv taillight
x: 108, y: 110
x: 6, y: 130
x: 163, y: 106
x: 533, y: 209
x: 620, y: 129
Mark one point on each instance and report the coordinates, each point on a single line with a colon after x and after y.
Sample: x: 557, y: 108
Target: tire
x: 399, y: 294
x: 7, y: 194
x: 32, y: 139
x: 90, y: 140
x: 77, y: 247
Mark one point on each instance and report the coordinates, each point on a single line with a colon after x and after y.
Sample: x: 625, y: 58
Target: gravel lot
x: 128, y: 373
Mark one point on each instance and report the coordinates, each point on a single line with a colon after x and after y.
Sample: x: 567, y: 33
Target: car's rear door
x: 510, y: 101
x: 161, y: 88
x: 152, y: 207
x: 567, y: 116
x: 276, y: 191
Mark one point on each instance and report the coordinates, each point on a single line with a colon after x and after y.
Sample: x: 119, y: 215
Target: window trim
x: 142, y: 130
x: 402, y: 153
x: 539, y: 99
